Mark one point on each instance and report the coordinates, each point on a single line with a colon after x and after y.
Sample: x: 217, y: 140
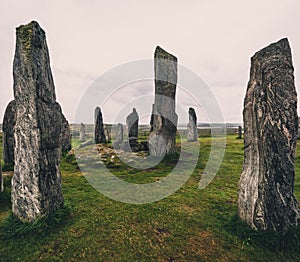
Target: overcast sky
x: 214, y: 39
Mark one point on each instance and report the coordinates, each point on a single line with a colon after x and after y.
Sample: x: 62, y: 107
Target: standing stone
x: 240, y: 132
x: 36, y: 184
x: 107, y: 130
x: 192, y: 131
x: 1, y: 179
x: 99, y: 128
x: 266, y: 188
x: 82, y: 133
x: 132, y: 122
x: 119, y: 136
x: 162, y: 139
x: 66, y: 136
x: 9, y: 122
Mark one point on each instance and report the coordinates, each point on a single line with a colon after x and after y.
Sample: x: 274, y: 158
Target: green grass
x: 190, y: 225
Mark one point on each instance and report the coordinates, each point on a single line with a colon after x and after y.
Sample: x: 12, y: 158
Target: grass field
x: 190, y: 225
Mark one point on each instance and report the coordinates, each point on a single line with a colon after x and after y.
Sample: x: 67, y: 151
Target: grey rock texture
x: 36, y: 184
x: 9, y: 122
x: 132, y: 122
x: 66, y: 145
x: 107, y: 130
x: 82, y: 133
x: 119, y: 136
x: 125, y: 146
x: 162, y: 139
x: 266, y: 189
x: 100, y: 137
x: 192, y: 131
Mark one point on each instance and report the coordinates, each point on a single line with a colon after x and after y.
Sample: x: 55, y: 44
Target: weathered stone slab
x: 99, y: 127
x: 162, y: 139
x: 266, y: 188
x: 66, y: 145
x: 8, y: 127
x: 82, y: 132
x: 36, y: 184
x: 132, y: 122
x: 192, y: 131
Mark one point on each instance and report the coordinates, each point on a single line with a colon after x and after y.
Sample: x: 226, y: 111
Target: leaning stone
x: 266, y: 189
x: 162, y: 139
x: 36, y: 184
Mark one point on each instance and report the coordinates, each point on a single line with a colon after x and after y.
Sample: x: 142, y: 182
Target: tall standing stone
x: 192, y: 131
x: 266, y: 188
x: 9, y: 122
x: 82, y: 133
x: 162, y: 139
x: 132, y: 122
x: 36, y: 184
x: 99, y: 127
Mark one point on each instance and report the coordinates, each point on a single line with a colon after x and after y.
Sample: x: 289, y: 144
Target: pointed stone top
x: 163, y: 54
x: 31, y: 35
x: 282, y: 47
x: 97, y: 109
x: 191, y: 109
x: 33, y: 25
x: 32, y: 65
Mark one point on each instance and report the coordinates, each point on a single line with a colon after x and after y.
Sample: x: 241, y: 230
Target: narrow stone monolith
x: 132, y: 122
x: 266, y: 189
x: 1, y: 179
x: 162, y: 139
x: 240, y: 131
x: 192, y: 131
x: 36, y: 184
x: 82, y: 133
x: 8, y: 127
x: 99, y: 127
x: 119, y: 136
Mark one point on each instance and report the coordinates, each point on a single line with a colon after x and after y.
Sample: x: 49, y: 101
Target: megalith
x: 266, y: 189
x: 82, y: 132
x: 99, y: 127
x: 132, y: 122
x: 162, y: 139
x: 192, y: 131
x: 8, y: 126
x: 36, y: 183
